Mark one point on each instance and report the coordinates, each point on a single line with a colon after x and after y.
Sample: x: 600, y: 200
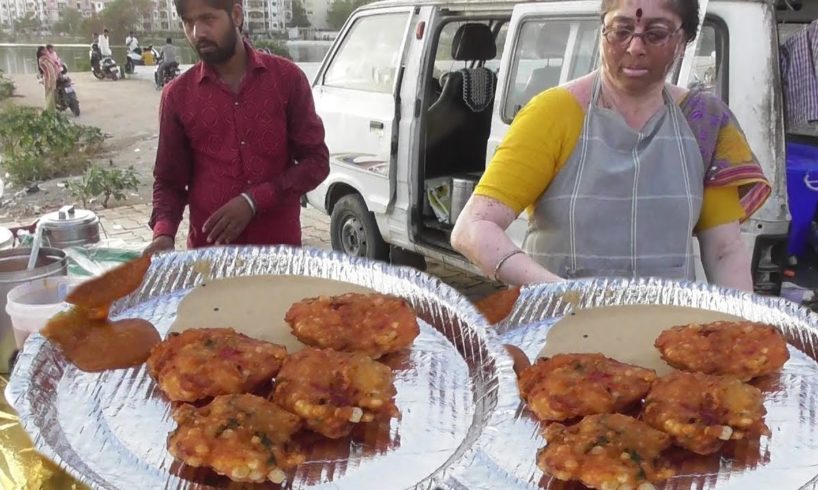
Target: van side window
x: 710, y: 66
x: 367, y: 58
x: 547, y: 53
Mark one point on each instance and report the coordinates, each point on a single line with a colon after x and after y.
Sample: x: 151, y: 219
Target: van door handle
x: 375, y: 124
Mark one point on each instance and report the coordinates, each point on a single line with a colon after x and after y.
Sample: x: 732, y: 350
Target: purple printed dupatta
x: 706, y: 114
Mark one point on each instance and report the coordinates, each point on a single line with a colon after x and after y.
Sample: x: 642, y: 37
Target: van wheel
x: 353, y: 229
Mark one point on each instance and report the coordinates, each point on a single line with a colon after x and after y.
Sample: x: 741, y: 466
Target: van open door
x: 683, y: 77
x: 356, y: 94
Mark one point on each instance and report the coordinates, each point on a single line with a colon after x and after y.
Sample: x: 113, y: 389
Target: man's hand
x: 228, y: 222
x: 159, y: 244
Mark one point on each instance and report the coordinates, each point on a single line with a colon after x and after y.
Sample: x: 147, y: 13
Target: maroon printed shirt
x: 215, y: 144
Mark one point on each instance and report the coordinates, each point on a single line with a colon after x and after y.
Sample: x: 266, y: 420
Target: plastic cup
x: 31, y: 304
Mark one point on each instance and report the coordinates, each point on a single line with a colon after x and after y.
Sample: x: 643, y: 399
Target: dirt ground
x: 125, y: 110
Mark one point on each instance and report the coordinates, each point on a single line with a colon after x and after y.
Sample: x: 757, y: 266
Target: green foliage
x: 104, y: 183
x: 91, y: 25
x: 81, y: 65
x: 70, y: 22
x: 340, y: 10
x: 121, y: 16
x: 300, y: 18
x: 37, y: 145
x: 29, y: 23
x: 6, y: 87
x: 275, y: 46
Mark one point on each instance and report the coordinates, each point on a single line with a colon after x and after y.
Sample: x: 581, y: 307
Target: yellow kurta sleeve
x: 537, y: 145
x: 721, y: 205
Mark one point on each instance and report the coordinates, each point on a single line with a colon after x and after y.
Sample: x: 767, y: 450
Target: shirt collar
x: 254, y: 62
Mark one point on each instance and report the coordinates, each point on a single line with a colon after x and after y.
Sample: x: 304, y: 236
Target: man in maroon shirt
x: 239, y: 139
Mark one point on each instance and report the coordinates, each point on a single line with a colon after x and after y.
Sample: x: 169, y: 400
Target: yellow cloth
x: 147, y: 57
x: 21, y: 467
x: 542, y: 138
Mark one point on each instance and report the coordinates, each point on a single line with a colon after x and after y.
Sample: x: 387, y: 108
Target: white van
x: 402, y: 128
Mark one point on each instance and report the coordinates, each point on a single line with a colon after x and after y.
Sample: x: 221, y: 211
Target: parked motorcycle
x: 103, y: 66
x: 169, y: 72
x: 135, y: 58
x: 66, y: 97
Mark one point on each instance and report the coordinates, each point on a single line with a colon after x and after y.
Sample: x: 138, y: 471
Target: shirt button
x: 235, y: 103
x: 242, y: 142
x: 249, y: 181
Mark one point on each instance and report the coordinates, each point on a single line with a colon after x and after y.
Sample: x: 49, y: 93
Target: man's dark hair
x: 105, y: 31
x: 49, y: 46
x: 131, y: 33
x: 226, y: 5
x: 169, y: 41
x: 688, y: 10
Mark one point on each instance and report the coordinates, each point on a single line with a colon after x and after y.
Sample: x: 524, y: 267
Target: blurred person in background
x: 132, y: 43
x: 168, y: 55
x: 49, y: 71
x: 104, y: 43
x: 54, y: 56
x: 147, y: 56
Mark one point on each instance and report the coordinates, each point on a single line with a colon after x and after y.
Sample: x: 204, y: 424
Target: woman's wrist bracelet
x: 503, y: 261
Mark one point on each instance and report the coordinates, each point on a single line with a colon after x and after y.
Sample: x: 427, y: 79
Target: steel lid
x: 68, y: 216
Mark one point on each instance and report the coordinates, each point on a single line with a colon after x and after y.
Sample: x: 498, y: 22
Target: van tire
x: 353, y: 229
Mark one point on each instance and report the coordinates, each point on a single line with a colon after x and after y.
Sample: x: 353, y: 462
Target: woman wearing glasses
x: 618, y: 169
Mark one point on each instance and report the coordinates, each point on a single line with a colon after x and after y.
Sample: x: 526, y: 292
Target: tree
x: 274, y: 46
x: 70, y: 22
x: 90, y: 25
x: 300, y: 18
x: 122, y: 16
x: 29, y: 23
x: 340, y: 10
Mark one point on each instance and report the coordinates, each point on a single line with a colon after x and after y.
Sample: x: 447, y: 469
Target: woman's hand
x: 726, y: 260
x: 480, y: 235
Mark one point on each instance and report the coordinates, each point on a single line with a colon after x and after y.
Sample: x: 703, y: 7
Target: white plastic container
x: 32, y: 304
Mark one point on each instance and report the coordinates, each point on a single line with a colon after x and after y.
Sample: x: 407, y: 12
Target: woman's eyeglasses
x: 622, y: 36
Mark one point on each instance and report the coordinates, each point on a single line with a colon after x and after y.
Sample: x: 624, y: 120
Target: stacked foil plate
x: 462, y: 424
x: 787, y: 459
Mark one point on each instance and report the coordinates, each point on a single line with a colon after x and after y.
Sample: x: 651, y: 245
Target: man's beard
x: 221, y: 53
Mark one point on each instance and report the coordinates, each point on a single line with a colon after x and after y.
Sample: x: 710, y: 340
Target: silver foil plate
x: 787, y: 459
x: 109, y: 430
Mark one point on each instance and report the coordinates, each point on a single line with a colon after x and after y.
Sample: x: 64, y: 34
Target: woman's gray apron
x: 626, y: 202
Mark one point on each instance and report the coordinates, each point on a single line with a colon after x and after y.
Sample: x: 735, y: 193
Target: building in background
x: 11, y: 10
x: 261, y: 16
x: 317, y: 13
x: 14, y: 10
x: 163, y: 17
x: 267, y: 16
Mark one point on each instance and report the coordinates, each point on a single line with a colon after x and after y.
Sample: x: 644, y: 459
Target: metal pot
x: 462, y: 188
x: 13, y: 272
x: 70, y: 227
